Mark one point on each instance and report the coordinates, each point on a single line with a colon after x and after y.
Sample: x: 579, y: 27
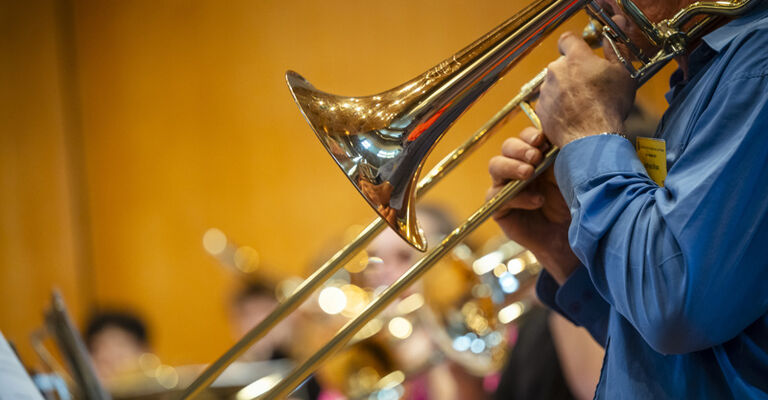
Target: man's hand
x: 583, y: 94
x: 538, y: 217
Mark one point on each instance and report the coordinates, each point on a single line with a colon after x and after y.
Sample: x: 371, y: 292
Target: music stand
x: 72, y: 348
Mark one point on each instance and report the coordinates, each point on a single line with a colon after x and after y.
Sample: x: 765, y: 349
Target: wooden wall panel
x: 187, y: 124
x: 39, y: 242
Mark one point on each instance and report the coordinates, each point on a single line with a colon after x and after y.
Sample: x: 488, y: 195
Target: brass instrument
x: 461, y: 312
x: 381, y: 141
x: 471, y: 328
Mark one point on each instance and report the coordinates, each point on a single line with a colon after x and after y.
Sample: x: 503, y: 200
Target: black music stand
x: 72, y: 348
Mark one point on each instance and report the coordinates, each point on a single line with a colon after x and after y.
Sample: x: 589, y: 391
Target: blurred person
x: 435, y: 377
x: 116, y: 340
x: 252, y: 303
x: 550, y: 359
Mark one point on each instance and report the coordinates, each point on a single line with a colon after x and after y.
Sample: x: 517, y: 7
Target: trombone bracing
x: 381, y: 142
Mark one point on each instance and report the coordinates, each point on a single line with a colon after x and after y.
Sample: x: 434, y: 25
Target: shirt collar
x: 755, y: 18
x: 717, y: 40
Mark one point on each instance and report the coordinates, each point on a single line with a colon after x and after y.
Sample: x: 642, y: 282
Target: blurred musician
x: 669, y: 276
x: 116, y: 341
x: 551, y: 358
x: 252, y: 303
x: 435, y: 378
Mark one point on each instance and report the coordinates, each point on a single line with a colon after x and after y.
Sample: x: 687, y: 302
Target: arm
x: 580, y: 357
x: 679, y: 262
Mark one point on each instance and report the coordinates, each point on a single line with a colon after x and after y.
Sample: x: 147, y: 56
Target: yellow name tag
x: 653, y: 154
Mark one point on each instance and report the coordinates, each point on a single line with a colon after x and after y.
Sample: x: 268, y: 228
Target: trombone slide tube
x: 290, y: 304
x: 528, y: 92
x: 298, y: 375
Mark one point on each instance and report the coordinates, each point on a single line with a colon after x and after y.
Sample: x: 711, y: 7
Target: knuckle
x: 551, y: 69
x: 556, y: 67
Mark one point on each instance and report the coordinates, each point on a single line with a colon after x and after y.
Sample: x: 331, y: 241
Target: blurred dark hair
x: 123, y: 320
x: 251, y: 290
x: 444, y: 223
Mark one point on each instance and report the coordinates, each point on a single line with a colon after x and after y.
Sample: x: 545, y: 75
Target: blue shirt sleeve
x: 682, y: 263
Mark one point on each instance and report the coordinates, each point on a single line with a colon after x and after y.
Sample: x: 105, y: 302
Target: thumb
x: 569, y: 43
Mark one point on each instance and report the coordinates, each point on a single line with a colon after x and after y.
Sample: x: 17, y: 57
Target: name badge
x: 653, y: 154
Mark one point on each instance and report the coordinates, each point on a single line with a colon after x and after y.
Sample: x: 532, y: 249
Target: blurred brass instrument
x: 469, y: 323
x: 461, y: 313
x: 381, y: 142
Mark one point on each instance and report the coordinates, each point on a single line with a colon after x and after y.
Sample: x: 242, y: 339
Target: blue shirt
x: 674, y: 282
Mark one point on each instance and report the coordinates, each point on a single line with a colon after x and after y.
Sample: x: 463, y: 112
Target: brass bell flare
x: 377, y: 143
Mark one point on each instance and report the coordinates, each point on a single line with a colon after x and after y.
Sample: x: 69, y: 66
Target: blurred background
x: 130, y: 128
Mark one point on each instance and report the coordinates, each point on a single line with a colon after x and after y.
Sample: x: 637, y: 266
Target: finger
x: 533, y: 136
x: 528, y: 199
x: 520, y: 150
x: 572, y: 44
x: 504, y: 169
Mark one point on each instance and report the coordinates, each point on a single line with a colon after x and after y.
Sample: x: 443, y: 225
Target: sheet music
x: 15, y: 383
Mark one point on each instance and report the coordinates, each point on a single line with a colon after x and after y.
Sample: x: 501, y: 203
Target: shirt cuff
x: 577, y: 300
x: 591, y: 157
x: 546, y: 291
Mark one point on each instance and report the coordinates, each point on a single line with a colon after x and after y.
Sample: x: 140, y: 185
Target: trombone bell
x: 382, y: 141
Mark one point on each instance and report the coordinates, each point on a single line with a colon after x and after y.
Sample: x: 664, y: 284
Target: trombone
x: 380, y: 142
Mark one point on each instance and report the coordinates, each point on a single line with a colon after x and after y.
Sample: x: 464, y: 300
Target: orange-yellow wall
x: 40, y: 242
x: 183, y: 122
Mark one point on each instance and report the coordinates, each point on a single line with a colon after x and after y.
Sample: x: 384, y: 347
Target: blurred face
x: 396, y: 254
x: 250, y: 312
x: 247, y: 314
x: 115, y: 351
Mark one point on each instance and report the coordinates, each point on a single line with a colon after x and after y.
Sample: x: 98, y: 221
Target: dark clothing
x: 533, y: 369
